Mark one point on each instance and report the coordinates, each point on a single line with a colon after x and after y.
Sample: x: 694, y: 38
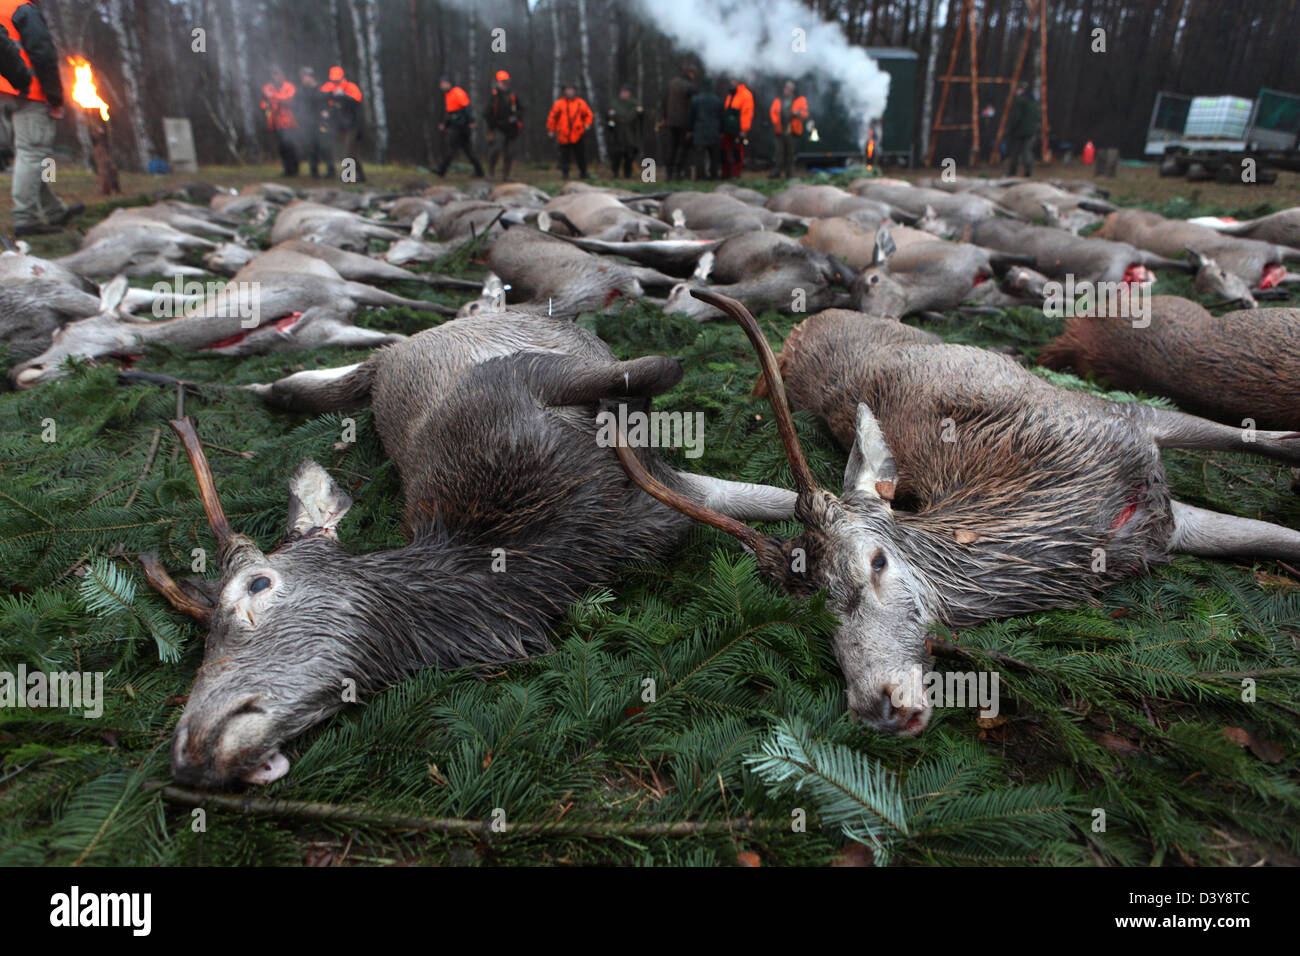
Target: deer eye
x: 260, y: 583
x: 878, y: 562
x: 874, y: 279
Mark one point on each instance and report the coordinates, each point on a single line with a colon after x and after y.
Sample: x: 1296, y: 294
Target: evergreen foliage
x: 691, y: 691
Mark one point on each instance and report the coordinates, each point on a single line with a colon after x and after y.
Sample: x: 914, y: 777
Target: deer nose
x: 900, y: 711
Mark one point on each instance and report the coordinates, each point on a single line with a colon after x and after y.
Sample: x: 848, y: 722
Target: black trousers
x: 284, y: 141
x: 574, y: 152
x: 708, y: 161
x: 622, y: 158
x: 316, y: 150
x: 1021, y: 152
x: 679, y: 152
x: 458, y: 140
x: 347, y: 145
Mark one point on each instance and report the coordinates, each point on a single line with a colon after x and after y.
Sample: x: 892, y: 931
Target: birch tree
x: 377, y: 79
x: 585, y: 47
x: 132, y: 67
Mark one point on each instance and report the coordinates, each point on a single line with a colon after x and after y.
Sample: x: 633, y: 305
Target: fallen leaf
x: 1118, y: 745
x: 747, y: 858
x: 318, y: 856
x: 988, y: 723
x: 1275, y: 581
x: 1266, y: 750
x: 487, y: 761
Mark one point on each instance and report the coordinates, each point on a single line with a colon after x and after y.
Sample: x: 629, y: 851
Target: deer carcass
x: 182, y: 218
x: 1058, y: 253
x: 599, y: 215
x: 1042, y: 498
x: 136, y: 248
x: 1260, y: 264
x: 931, y: 276
x: 553, y: 277
x: 492, y: 423
x: 717, y: 215
x: 1231, y: 368
x: 802, y: 202
x: 334, y: 227
x: 944, y: 214
x: 767, y: 269
x: 230, y: 257
x: 281, y: 301
x: 1065, y: 210
x: 1280, y: 228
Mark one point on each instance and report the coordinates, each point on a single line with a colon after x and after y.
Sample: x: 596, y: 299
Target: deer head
x: 876, y: 291
x: 278, y: 649
x: 107, y: 333
x: 1215, y: 281
x: 851, y: 546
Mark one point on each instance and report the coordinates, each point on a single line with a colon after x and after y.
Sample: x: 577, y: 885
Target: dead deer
x: 1242, y: 368
x: 514, y: 509
x: 764, y: 268
x: 335, y: 227
x: 1280, y: 228
x: 598, y: 214
x: 230, y: 257
x: 1041, y: 499
x: 281, y: 301
x: 1259, y: 264
x: 1058, y: 253
x: 938, y: 212
x: 803, y: 202
x: 718, y: 215
x: 932, y: 276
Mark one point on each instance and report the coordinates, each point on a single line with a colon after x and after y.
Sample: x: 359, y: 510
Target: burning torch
x: 85, y: 95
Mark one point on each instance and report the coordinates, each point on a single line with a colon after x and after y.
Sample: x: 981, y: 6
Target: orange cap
x: 336, y: 73
x: 502, y: 76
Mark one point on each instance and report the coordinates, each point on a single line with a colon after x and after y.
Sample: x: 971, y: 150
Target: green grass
x: 1119, y: 707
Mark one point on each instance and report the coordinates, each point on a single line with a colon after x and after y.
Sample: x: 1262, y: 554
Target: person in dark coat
x: 312, y: 107
x: 457, y: 126
x: 625, y: 124
x: 504, y: 122
x: 706, y: 131
x: 677, y: 120
x: 344, y: 99
x: 1022, y: 130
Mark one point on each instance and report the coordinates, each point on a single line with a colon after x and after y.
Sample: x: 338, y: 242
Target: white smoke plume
x: 758, y: 36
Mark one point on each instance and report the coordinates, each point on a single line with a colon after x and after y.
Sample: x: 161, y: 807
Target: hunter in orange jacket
x: 800, y: 110
x: 741, y: 99
x: 29, y: 65
x: 569, y: 119
x: 455, y: 99
x: 277, y: 103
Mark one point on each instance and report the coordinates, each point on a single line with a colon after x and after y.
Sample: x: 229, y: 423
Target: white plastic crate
x: 1221, y: 117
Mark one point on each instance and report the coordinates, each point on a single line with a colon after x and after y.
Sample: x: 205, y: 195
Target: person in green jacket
x: 625, y: 123
x: 1022, y: 130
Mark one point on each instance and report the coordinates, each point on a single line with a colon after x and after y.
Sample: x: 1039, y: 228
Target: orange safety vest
x: 345, y: 86
x: 455, y: 99
x: 7, y: 10
x: 800, y: 110
x: 742, y: 100
x: 275, y: 101
x: 569, y: 119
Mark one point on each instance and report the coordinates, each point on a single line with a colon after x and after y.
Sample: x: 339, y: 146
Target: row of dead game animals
x: 1044, y: 497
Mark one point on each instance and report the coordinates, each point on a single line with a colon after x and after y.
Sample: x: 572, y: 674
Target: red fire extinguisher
x: 1089, y: 153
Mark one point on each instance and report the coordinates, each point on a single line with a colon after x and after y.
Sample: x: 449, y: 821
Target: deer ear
x: 112, y: 294
x: 316, y: 503
x: 1199, y: 260
x: 884, y: 247
x: 871, y: 470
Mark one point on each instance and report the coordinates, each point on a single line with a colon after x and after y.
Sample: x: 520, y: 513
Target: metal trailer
x: 1271, y: 139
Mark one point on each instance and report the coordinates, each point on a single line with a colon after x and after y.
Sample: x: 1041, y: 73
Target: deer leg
x: 319, y: 390
x: 1210, y: 534
x: 1171, y: 429
x: 564, y: 380
x: 369, y: 295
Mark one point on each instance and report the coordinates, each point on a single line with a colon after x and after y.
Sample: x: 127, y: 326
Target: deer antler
x: 175, y: 595
x: 756, y: 542
x: 803, y: 478
x: 184, y: 428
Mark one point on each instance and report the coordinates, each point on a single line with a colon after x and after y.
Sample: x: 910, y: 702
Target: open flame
x: 83, y: 91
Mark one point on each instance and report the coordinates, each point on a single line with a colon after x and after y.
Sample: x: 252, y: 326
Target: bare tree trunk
x: 585, y: 43
x: 238, y: 74
x: 472, y: 80
x: 557, y: 50
x: 927, y: 102
x: 376, y: 80
x: 131, y: 71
